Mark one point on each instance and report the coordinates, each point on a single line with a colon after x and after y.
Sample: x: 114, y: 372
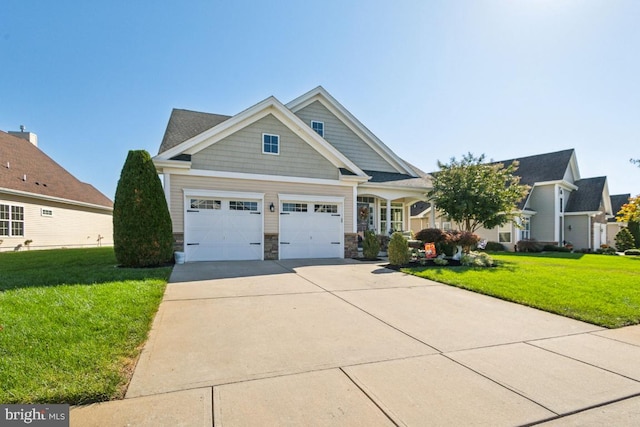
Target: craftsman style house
x: 277, y: 181
x: 560, y: 208
x: 42, y: 205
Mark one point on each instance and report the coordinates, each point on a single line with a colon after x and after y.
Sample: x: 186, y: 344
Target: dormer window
x: 270, y: 144
x: 318, y: 127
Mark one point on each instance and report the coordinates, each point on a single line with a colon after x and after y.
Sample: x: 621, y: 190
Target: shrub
x: 430, y: 235
x: 466, y: 239
x: 142, y: 231
x: 624, y: 240
x: 606, y: 250
x: 398, y: 250
x: 634, y: 229
x: 554, y: 248
x: 370, y: 245
x: 529, y: 245
x: 632, y: 252
x: 495, y: 247
x: 476, y: 259
x: 440, y: 260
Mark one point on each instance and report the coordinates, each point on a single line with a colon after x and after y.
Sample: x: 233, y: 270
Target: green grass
x: 599, y: 289
x: 72, y: 324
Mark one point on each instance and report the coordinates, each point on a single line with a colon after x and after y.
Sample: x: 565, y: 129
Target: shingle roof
x: 418, y: 207
x: 19, y: 159
x: 588, y: 196
x: 542, y: 167
x: 185, y: 124
x: 617, y: 200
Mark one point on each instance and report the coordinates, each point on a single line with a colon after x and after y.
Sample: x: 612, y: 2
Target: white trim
x: 174, y: 164
x: 321, y: 95
x: 48, y: 215
x: 589, y: 213
x: 277, y: 153
x: 355, y: 211
x: 191, y: 192
x: 309, y: 198
x: 166, y: 182
x: 54, y: 199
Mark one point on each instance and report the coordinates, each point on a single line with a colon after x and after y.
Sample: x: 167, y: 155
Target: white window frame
x: 11, y: 220
x: 446, y: 225
x: 525, y: 233
x: 45, y: 212
x: 394, y: 208
x: 505, y: 229
x: 316, y: 122
x: 264, y: 135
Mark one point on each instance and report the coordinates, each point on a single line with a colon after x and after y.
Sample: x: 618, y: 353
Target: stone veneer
x: 350, y: 245
x: 271, y: 246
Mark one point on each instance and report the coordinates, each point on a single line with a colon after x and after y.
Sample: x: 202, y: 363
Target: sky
x: 432, y: 79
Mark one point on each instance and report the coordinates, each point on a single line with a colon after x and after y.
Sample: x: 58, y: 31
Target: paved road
x: 340, y: 342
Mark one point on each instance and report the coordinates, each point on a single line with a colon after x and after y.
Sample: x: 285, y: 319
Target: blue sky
x: 432, y: 79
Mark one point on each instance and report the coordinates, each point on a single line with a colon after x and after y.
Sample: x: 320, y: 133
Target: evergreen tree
x: 398, y: 250
x: 142, y: 230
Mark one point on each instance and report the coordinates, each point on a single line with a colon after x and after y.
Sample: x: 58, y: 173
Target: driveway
x: 341, y: 342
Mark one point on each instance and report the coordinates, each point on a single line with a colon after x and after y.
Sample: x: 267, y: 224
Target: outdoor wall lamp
x: 569, y: 228
x: 272, y: 208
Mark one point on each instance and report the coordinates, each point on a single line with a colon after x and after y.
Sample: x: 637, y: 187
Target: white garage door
x: 218, y: 229
x: 311, y: 230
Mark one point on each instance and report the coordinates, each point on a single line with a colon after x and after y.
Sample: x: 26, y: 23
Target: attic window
x: 270, y: 144
x: 46, y: 212
x: 318, y: 127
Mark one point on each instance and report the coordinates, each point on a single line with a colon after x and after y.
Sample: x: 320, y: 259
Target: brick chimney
x: 31, y: 137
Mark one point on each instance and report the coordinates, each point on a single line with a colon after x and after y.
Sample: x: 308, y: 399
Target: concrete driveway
x: 341, y: 342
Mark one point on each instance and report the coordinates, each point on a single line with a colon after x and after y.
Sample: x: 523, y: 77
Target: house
x: 42, y: 203
x: 560, y: 207
x: 277, y: 181
x: 613, y: 226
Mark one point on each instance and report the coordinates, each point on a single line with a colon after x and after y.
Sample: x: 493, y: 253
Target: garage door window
x: 326, y: 208
x: 238, y: 205
x: 204, y: 204
x: 294, y: 207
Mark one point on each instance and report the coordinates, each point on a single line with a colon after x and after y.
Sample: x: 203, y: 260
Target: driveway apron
x: 343, y: 342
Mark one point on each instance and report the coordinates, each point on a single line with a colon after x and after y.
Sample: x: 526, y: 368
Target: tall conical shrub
x: 142, y: 231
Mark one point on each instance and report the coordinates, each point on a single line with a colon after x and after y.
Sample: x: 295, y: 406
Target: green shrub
x: 440, y: 260
x: 529, y: 245
x: 624, y: 240
x: 554, y: 248
x: 370, y: 245
x: 606, y: 251
x: 495, y: 247
x: 142, y: 231
x: 476, y: 259
x: 398, y: 250
x: 632, y: 252
x: 430, y: 235
x: 634, y: 229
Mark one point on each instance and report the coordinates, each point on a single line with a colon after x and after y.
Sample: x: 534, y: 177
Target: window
x: 326, y: 208
x: 446, y: 226
x: 11, y: 220
x: 318, y: 127
x: 396, y: 217
x: 205, y: 204
x: 236, y: 205
x: 294, y: 207
x: 504, y: 233
x: 46, y: 212
x: 270, y: 144
x: 526, y: 228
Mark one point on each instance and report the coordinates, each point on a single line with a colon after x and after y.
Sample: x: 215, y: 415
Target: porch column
x: 388, y: 216
x: 432, y: 216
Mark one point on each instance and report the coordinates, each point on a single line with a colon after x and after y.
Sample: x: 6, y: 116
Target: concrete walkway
x: 340, y: 342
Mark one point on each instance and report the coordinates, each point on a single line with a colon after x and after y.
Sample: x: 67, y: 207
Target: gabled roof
x: 321, y: 95
x: 228, y: 125
x: 589, y: 195
x: 617, y: 200
x: 185, y: 124
x: 26, y: 170
x: 419, y: 207
x: 542, y: 167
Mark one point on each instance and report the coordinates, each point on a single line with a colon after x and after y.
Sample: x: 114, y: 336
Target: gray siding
x: 242, y: 152
x: 542, y: 223
x: 580, y: 230
x: 341, y: 137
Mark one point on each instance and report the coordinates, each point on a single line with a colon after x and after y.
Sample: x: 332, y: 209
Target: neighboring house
x: 276, y: 181
x: 561, y: 207
x: 43, y: 203
x: 613, y: 226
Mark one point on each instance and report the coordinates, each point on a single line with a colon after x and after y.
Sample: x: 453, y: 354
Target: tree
x: 630, y: 213
x: 370, y: 245
x: 398, y: 249
x: 142, y: 231
x: 477, y: 194
x: 624, y: 240
x: 635, y: 162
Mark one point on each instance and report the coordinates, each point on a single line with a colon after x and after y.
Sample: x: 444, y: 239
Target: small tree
x: 476, y: 194
x: 370, y: 245
x: 398, y: 250
x: 624, y: 240
x: 630, y: 213
x: 142, y: 231
x: 430, y: 235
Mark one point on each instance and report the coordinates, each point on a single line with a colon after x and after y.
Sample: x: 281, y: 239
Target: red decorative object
x: 430, y: 250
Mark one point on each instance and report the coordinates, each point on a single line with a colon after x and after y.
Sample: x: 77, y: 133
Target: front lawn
x: 599, y: 289
x: 72, y: 324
